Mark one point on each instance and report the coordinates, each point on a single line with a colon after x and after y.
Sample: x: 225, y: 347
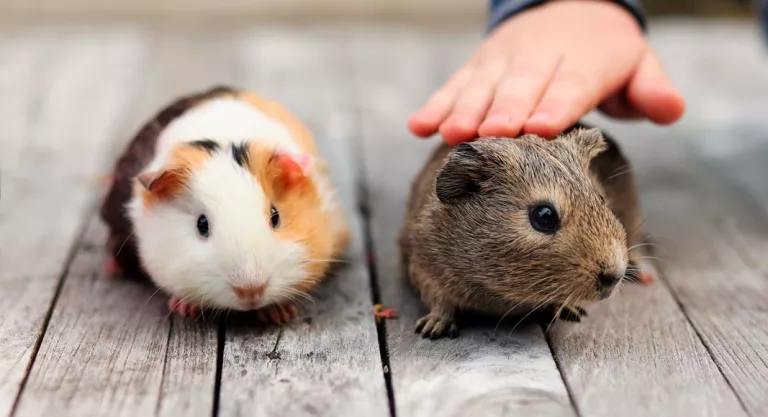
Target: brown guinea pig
x: 507, y: 226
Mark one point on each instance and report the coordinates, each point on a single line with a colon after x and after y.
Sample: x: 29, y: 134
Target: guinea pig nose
x: 251, y: 291
x: 607, y: 280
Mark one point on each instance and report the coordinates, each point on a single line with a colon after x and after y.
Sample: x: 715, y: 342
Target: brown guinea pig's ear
x: 462, y: 175
x: 163, y: 184
x: 589, y: 142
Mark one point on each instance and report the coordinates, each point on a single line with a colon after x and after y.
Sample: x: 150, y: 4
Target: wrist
x: 503, y: 10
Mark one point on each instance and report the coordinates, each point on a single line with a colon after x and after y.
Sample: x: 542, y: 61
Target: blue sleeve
x: 501, y: 10
x: 764, y: 18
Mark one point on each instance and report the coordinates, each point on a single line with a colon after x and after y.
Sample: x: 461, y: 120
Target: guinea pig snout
x: 249, y: 294
x: 605, y: 284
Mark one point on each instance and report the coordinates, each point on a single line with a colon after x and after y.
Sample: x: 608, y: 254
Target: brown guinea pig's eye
x: 544, y: 218
x: 274, y: 217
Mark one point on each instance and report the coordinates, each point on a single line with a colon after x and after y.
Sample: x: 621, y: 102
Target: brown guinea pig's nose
x: 606, y: 281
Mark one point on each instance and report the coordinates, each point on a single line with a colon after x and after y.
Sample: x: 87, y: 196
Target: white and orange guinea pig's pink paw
x: 184, y: 309
x: 277, y: 313
x: 111, y: 267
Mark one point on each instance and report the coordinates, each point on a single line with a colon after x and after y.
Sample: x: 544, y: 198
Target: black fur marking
x: 240, y: 153
x: 206, y: 144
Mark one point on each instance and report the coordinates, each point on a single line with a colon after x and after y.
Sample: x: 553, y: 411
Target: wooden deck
x: 73, y: 342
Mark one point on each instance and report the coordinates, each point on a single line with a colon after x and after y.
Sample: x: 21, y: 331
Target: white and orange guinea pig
x: 224, y: 202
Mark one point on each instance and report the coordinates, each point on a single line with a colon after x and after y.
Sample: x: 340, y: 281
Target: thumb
x: 650, y: 92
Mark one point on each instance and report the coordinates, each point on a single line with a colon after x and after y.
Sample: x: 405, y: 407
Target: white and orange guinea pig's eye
x: 203, y: 228
x: 274, y: 218
x: 544, y: 218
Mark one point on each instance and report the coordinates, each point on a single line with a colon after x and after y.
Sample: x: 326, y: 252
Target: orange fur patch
x: 175, y: 174
x: 299, y: 131
x: 296, y: 198
x: 303, y: 136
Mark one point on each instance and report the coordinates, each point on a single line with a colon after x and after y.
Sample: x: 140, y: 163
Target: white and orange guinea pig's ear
x: 289, y: 170
x: 162, y: 184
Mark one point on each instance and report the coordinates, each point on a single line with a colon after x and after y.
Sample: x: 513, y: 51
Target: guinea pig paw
x: 111, y: 267
x: 435, y: 326
x: 176, y: 305
x: 572, y: 313
x: 277, y: 314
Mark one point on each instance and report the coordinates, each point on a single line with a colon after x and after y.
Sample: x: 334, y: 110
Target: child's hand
x: 542, y: 70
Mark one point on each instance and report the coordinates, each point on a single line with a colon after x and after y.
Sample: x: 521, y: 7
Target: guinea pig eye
x: 202, y: 225
x: 274, y: 218
x: 544, y: 218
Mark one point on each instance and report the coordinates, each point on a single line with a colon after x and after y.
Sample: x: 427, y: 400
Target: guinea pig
x: 506, y: 226
x: 224, y: 202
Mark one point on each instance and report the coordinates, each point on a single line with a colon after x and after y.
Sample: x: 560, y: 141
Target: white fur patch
x: 223, y: 120
x: 242, y: 248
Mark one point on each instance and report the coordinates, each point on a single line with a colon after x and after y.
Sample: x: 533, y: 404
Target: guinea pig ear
x: 288, y: 170
x: 589, y: 142
x: 463, y: 173
x: 163, y: 183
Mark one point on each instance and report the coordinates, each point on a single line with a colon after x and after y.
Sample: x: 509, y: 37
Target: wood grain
x: 55, y: 120
x: 486, y: 371
x: 717, y: 238
x: 327, y: 362
x: 110, y: 347
x: 105, y: 347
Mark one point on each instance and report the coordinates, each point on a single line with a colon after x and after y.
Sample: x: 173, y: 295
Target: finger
x: 472, y: 103
x: 650, y: 92
x: 572, y: 93
x: 618, y: 106
x: 518, y: 91
x: 429, y: 117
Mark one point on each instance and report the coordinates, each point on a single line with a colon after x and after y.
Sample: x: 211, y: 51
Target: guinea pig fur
x: 506, y: 226
x: 229, y: 207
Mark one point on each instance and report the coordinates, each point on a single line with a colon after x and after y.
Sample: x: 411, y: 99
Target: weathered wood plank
x: 328, y: 362
x: 717, y: 237
x: 485, y: 371
x: 62, y: 95
x: 717, y: 232
x: 110, y: 347
x: 20, y: 322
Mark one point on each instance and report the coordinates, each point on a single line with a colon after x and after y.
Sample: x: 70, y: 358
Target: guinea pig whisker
x: 510, y: 310
x: 640, y: 245
x: 123, y: 244
x: 621, y: 171
x: 153, y: 294
x: 340, y: 261
x: 648, y: 257
x: 655, y: 237
x: 297, y: 293
x: 547, y: 301
x: 637, y: 228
